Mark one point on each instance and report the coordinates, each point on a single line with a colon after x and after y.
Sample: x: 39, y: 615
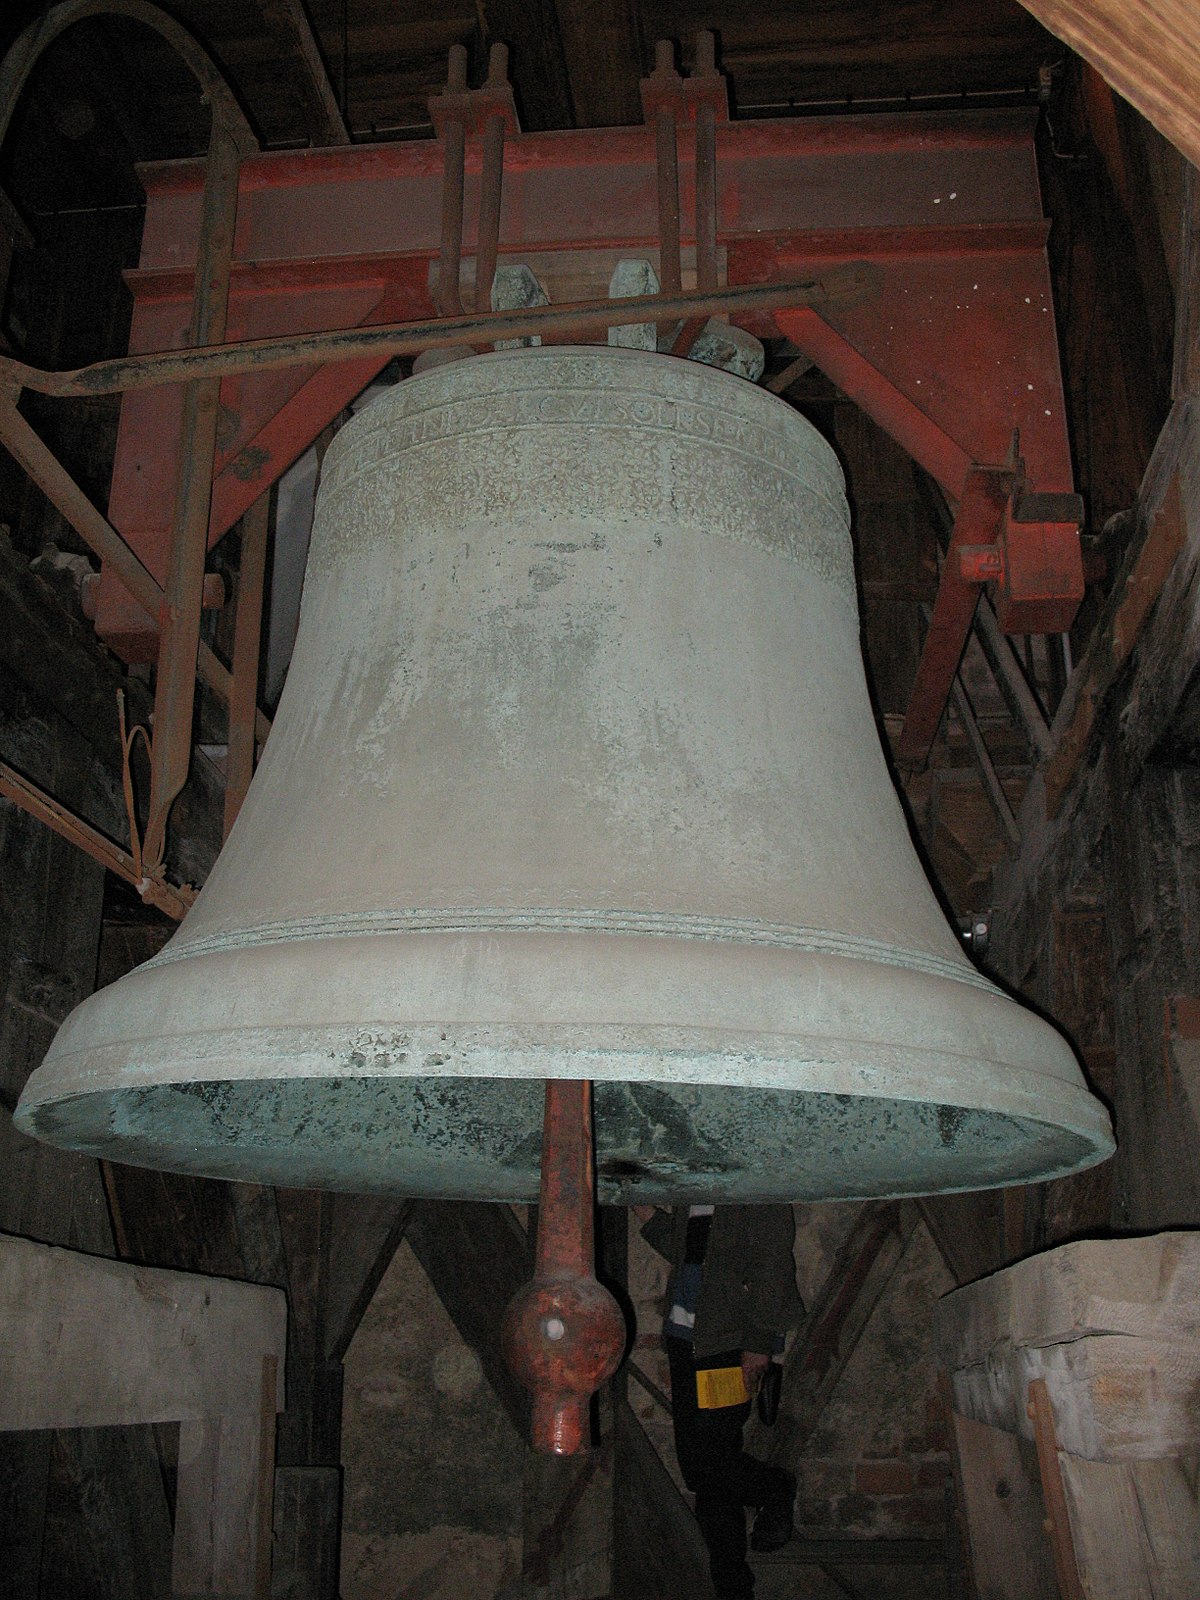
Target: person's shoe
x: 774, y: 1524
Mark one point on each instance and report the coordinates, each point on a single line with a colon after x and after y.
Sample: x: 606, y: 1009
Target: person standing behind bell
x: 731, y: 1297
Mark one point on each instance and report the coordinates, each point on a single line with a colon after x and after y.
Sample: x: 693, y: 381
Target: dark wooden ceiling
x: 109, y: 93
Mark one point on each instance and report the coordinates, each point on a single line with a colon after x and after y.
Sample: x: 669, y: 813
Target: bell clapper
x: 563, y: 1332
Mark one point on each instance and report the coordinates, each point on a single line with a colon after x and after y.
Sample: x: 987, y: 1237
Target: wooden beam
x: 537, y: 65
x: 861, y: 1271
x: 967, y: 1230
x: 601, y: 44
x: 1149, y: 50
x: 1148, y: 566
x: 102, y: 1343
x: 1109, y: 1324
x: 475, y: 1255
x: 657, y: 1548
x: 364, y: 1236
x: 288, y: 21
x: 1186, y: 377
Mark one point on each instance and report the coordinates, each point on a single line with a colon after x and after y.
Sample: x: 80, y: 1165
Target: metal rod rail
x: 43, y: 468
x: 113, y: 857
x: 447, y: 297
x: 491, y: 191
x: 179, y: 629
x: 247, y: 636
x: 841, y: 286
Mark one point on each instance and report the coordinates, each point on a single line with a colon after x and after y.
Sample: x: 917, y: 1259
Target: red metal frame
x: 954, y: 351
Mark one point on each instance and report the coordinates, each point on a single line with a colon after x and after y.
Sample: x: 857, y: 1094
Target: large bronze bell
x: 574, y: 776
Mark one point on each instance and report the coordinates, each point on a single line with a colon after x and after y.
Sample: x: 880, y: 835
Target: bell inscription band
x: 574, y: 776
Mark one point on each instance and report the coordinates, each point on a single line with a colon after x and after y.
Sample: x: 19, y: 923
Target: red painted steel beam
x: 978, y: 523
x: 956, y: 351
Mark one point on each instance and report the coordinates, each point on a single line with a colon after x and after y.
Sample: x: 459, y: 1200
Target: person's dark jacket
x: 748, y: 1295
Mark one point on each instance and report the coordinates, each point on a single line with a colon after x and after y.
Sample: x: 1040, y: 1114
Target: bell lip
x: 100, y: 1050
x: 928, y: 1077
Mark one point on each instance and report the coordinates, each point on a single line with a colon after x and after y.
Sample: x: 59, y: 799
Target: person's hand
x: 754, y: 1364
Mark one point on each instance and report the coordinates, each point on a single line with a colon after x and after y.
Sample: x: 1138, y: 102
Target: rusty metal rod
x: 491, y: 190
x: 16, y: 787
x: 840, y: 286
x: 706, y: 198
x: 43, y: 468
x: 447, y: 297
x: 179, y: 628
x: 247, y: 634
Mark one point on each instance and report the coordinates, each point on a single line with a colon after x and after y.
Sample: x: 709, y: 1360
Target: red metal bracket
x: 1027, y: 546
x: 955, y: 349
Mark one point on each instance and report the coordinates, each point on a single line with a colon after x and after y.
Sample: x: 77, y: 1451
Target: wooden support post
x: 217, y: 1525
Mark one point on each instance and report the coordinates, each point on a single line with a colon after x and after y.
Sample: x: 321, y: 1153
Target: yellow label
x: 720, y: 1386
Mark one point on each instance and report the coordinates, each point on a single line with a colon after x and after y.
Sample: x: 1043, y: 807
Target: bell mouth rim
x: 860, y: 1069
x: 135, y: 1126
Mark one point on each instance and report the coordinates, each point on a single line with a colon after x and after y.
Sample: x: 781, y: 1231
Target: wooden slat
x: 657, y: 1548
x: 1149, y: 50
x: 861, y: 1271
x: 1009, y: 1554
x: 364, y: 1236
x: 1058, y: 1520
x: 604, y: 59
x: 475, y: 1256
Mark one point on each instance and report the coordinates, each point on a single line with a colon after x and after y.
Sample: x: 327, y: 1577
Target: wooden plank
x: 1010, y: 1557
x: 657, y: 1548
x: 307, y: 1521
x: 475, y: 1255
x: 861, y: 1271
x: 602, y: 47
x: 1136, y: 1527
x: 1149, y: 50
x: 216, y: 1523
x: 106, y: 1343
x: 365, y: 1233
x: 1111, y: 1325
